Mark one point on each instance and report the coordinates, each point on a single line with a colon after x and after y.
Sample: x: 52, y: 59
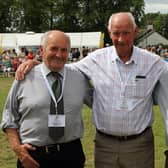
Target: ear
x: 109, y: 33
x: 136, y: 31
x: 41, y: 50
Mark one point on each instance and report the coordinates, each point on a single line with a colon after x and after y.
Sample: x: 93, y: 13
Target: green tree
x: 5, y: 19
x: 69, y: 16
x: 33, y: 16
x: 95, y: 14
x: 159, y: 22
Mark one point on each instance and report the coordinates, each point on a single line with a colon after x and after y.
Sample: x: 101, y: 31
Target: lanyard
x: 50, y: 89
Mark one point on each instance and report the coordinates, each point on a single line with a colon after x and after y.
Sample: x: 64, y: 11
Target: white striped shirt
x: 122, y: 92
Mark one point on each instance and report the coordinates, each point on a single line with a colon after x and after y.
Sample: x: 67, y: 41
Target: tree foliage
x: 5, y: 15
x: 73, y: 16
x: 159, y: 22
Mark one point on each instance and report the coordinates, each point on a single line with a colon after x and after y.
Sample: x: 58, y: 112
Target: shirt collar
x: 47, y: 70
x: 115, y: 56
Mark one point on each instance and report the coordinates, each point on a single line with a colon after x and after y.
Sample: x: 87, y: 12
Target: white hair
x: 45, y: 36
x: 129, y: 14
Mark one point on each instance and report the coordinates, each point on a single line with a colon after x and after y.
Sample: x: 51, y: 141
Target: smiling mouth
x: 56, y: 59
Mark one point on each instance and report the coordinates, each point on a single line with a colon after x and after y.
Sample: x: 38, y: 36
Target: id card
x: 56, y: 120
x: 122, y: 104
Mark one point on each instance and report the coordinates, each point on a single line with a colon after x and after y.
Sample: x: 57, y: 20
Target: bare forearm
x: 20, y: 149
x: 13, y: 138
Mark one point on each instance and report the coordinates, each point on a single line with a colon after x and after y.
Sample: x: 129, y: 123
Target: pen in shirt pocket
x: 140, y: 77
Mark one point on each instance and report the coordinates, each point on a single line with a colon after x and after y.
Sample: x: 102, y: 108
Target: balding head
x: 122, y: 17
x: 55, y: 33
x: 55, y: 49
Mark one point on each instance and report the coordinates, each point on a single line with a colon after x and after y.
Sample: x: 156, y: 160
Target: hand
x: 25, y: 158
x: 24, y: 68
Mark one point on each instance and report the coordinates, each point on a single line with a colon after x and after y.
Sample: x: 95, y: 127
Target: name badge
x: 56, y: 120
x: 122, y: 104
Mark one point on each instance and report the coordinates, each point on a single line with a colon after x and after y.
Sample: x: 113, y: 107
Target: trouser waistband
x: 124, y: 138
x: 57, y: 147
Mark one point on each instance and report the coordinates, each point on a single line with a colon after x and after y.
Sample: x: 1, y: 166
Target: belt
x: 124, y: 138
x: 55, y: 147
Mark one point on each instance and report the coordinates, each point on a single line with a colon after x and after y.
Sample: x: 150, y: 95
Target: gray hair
x: 45, y: 36
x: 129, y: 14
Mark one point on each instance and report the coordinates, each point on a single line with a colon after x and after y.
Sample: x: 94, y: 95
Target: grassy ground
x: 7, y: 157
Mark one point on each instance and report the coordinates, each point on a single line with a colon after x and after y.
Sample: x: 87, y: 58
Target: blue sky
x: 153, y: 6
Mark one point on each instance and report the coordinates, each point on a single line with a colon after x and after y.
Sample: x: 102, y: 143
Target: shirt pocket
x: 137, y: 89
x: 141, y: 89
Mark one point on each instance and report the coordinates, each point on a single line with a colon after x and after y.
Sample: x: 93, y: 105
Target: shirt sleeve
x: 86, y: 65
x: 160, y: 96
x: 10, y: 113
x: 89, y: 93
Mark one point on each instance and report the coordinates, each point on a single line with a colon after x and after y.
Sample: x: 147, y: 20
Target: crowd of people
x: 10, y: 60
x: 160, y: 50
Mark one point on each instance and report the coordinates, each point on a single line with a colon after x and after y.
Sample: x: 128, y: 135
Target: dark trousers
x: 68, y: 155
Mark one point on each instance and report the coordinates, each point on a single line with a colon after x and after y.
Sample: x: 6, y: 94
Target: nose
x: 120, y: 37
x: 59, y: 52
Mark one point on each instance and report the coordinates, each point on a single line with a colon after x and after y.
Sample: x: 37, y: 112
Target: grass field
x: 8, y: 159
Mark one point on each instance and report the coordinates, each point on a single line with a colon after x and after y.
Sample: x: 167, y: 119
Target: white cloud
x: 156, y: 1
x: 153, y: 6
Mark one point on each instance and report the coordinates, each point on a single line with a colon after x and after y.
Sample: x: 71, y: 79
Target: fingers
x: 29, y: 147
x: 26, y: 159
x: 19, y: 75
x: 24, y: 68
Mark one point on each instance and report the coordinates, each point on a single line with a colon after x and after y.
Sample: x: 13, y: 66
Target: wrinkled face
x: 122, y: 34
x: 56, y: 50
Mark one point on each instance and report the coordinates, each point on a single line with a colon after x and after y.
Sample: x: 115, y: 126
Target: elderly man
x: 42, y: 116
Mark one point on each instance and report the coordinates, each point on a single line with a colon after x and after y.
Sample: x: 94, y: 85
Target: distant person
x: 85, y: 51
x: 76, y: 54
x: 7, y: 65
x: 30, y: 55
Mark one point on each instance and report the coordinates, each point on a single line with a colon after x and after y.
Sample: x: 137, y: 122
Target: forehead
x: 121, y: 23
x: 57, y: 39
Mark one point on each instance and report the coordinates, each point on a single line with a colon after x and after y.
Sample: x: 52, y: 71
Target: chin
x: 57, y: 68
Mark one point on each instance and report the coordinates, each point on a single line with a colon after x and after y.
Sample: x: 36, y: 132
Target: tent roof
x: 88, y: 39
x: 153, y: 39
x: 15, y: 40
x: 8, y: 41
x: 29, y: 39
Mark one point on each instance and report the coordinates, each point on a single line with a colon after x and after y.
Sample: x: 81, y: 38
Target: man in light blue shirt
x: 124, y: 78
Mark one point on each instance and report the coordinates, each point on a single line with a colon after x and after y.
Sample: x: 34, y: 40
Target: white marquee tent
x: 78, y: 40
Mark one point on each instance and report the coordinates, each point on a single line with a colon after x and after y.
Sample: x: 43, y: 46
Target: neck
x: 125, y: 58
